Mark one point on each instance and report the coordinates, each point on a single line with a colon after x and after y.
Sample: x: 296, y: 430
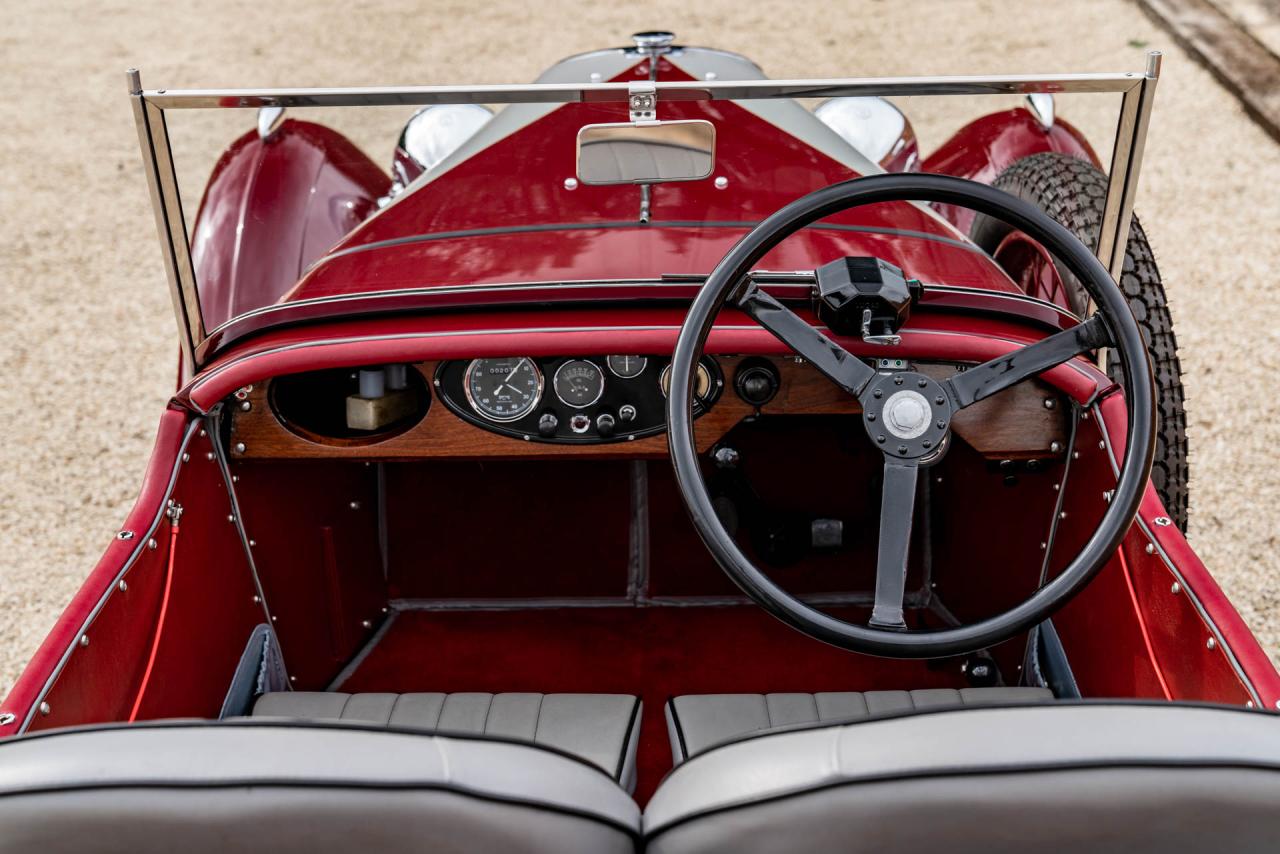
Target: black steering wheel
x: 908, y: 415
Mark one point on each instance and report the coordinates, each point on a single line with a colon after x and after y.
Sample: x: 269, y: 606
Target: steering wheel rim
x: 1113, y: 320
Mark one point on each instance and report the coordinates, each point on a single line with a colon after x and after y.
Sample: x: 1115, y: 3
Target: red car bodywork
x: 505, y: 215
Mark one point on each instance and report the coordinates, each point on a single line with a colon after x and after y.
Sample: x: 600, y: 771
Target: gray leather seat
x: 260, y: 785
x: 1104, y: 777
x: 603, y: 729
x: 698, y: 721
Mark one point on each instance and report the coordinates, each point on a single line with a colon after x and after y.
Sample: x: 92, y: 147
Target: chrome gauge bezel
x: 555, y: 384
x: 608, y: 362
x: 502, y: 419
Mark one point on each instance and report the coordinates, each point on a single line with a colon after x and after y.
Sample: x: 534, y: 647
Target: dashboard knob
x: 547, y: 425
x: 726, y: 457
x: 757, y: 383
x: 627, y: 412
x: 605, y: 424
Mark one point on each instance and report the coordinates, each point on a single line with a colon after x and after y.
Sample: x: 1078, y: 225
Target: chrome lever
x: 888, y: 339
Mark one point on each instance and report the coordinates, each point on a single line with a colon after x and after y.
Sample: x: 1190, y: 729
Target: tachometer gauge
x: 627, y: 367
x: 701, y: 382
x: 503, y: 389
x: 578, y: 383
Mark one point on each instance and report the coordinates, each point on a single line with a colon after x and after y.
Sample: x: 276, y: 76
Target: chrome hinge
x: 642, y: 100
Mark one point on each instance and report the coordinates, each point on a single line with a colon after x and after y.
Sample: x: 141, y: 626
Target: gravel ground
x: 86, y: 342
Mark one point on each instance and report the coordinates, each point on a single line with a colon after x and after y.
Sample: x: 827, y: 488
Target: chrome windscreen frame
x: 1137, y: 91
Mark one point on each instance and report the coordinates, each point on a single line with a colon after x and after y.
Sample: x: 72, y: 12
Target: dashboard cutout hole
x: 313, y: 406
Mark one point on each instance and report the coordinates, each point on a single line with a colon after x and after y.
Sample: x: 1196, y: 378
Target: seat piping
x: 283, y: 723
x: 626, y: 738
x: 302, y: 783
x: 933, y: 710
x: 967, y: 771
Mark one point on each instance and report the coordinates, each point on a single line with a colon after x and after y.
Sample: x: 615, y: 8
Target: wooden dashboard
x: 1015, y: 424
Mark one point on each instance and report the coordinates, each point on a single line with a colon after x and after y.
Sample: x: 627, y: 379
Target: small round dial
x: 701, y: 381
x: 503, y: 389
x: 578, y: 383
x: 627, y: 367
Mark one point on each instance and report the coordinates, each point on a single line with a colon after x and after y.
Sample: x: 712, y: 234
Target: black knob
x: 627, y: 412
x: 547, y: 424
x: 757, y: 383
x: 605, y: 424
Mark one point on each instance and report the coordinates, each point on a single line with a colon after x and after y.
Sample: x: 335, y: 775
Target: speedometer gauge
x: 503, y: 389
x: 578, y: 383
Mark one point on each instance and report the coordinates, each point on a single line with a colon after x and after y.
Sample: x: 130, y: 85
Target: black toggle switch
x: 547, y: 424
x: 605, y: 424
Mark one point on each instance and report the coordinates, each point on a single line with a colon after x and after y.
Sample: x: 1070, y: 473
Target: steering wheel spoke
x: 897, y: 507
x: 908, y: 416
x: 981, y: 382
x: 841, y: 366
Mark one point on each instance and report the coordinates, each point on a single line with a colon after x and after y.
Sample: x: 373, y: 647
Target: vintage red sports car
x: 658, y: 463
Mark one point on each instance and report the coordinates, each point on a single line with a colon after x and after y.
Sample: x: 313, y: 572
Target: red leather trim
x: 534, y: 333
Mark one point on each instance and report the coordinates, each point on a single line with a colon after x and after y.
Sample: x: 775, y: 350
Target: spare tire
x: 1073, y: 192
